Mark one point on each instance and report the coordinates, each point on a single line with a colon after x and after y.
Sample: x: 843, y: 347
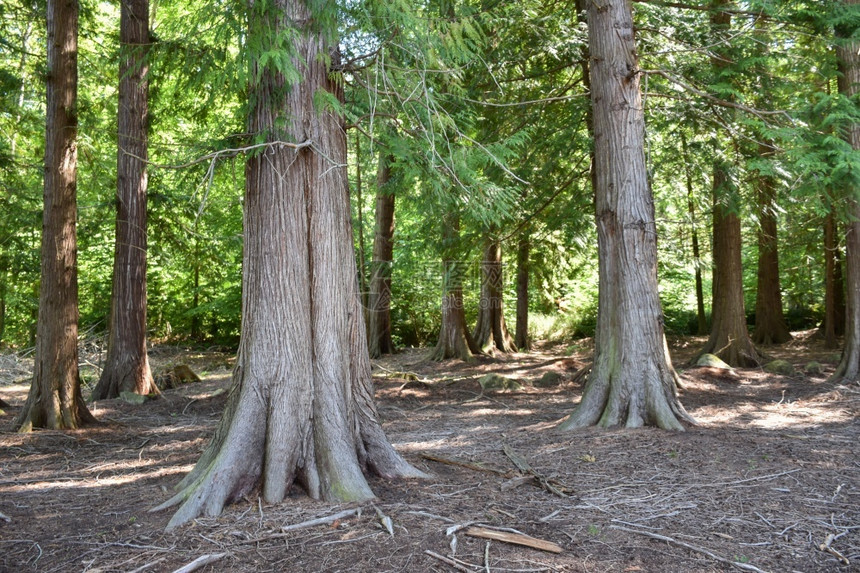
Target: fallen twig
x: 322, y: 520
x: 201, y: 561
x: 146, y: 566
x: 515, y: 538
x: 526, y: 468
x: 463, y: 464
x: 447, y: 561
x: 826, y: 547
x: 697, y: 549
x: 4, y: 517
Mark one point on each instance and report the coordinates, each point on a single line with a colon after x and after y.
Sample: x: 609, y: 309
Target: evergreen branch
x: 527, y: 102
x: 230, y: 152
x: 760, y: 113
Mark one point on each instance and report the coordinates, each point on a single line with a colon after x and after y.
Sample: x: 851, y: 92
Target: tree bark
x: 632, y: 382
x: 126, y: 366
x: 848, y: 56
x: 729, y: 339
x: 55, y: 400
x: 521, y: 337
x: 455, y: 341
x: 379, y: 300
x: 770, y: 325
x: 301, y: 405
x: 834, y: 304
x: 491, y: 331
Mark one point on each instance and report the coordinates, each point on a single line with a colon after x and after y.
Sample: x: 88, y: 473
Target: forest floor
x: 768, y: 481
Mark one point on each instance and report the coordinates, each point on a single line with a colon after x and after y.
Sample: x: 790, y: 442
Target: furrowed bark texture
x: 632, y: 382
x: 770, y: 325
x: 491, y: 332
x: 126, y: 366
x: 55, y: 400
x: 301, y: 405
x: 379, y: 299
x: 848, y: 55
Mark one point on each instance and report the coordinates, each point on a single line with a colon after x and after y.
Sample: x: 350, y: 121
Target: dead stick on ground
x: 526, y: 468
x: 322, y: 520
x: 515, y: 538
x: 201, y: 561
x: 462, y: 464
x: 702, y: 550
x: 146, y: 566
x: 826, y: 546
x: 447, y: 561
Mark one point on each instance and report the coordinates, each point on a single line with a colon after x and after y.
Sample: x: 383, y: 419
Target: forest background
x: 483, y: 113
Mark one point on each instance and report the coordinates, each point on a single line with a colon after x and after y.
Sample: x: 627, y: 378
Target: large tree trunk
x: 126, y: 366
x: 770, y: 325
x: 632, y: 382
x: 55, y: 399
x: 848, y: 56
x: 729, y: 339
x: 379, y: 300
x: 301, y: 406
x: 455, y: 341
x: 834, y: 300
x: 521, y: 336
x: 491, y: 331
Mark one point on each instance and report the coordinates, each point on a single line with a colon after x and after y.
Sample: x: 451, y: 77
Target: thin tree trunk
x: 632, y: 382
x: 770, y: 325
x: 701, y: 319
x: 834, y: 300
x: 301, y: 406
x: 521, y: 338
x: 379, y: 301
x: 55, y: 400
x: 126, y: 366
x: 848, y: 56
x: 455, y: 341
x: 491, y: 331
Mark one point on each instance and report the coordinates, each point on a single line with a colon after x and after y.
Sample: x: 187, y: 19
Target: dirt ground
x: 768, y: 481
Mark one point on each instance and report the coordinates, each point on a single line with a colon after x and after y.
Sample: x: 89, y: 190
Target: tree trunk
x: 521, y: 338
x: 55, y: 400
x: 359, y: 212
x: 301, y: 406
x: 126, y: 366
x: 454, y: 338
x: 729, y: 339
x: 379, y: 301
x: 834, y: 307
x: 701, y: 320
x: 770, y: 325
x: 848, y: 56
x: 491, y: 332
x: 632, y: 382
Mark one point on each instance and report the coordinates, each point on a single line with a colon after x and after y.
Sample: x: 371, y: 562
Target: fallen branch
x: 4, y: 517
x: 526, y: 468
x: 515, y: 538
x: 702, y: 550
x: 322, y: 520
x: 462, y: 464
x: 447, y: 561
x: 826, y: 547
x: 201, y: 561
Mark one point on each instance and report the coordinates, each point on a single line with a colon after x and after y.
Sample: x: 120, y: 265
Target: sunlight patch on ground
x: 92, y: 482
